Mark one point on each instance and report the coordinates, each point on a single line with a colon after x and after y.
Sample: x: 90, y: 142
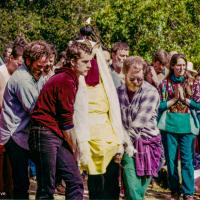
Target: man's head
x: 62, y: 58
x: 133, y: 69
x: 78, y: 57
x: 15, y: 59
x: 36, y: 57
x: 52, y: 59
x: 106, y: 53
x: 160, y: 60
x: 120, y: 51
x: 7, y: 52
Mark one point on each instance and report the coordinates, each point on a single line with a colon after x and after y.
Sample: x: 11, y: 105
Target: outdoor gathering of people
x: 100, y: 116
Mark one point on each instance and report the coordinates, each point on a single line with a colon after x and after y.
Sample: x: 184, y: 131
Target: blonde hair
x: 136, y: 62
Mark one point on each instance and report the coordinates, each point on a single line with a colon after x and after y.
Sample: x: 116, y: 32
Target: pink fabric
x: 92, y: 77
x: 196, y: 91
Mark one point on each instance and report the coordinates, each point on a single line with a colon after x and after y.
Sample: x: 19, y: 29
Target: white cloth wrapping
x: 81, y: 121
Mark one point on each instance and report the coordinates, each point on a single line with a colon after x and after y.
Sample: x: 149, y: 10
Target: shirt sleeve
x: 163, y: 106
x: 194, y: 105
x: 1, y: 90
x: 27, y: 94
x: 66, y: 99
x: 162, y: 92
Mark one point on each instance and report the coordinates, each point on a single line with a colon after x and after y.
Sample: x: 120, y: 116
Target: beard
x: 133, y: 87
x: 119, y: 64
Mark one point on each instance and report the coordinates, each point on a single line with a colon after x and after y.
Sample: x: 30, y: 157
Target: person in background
x: 179, y: 125
x: 159, y: 68
x: 13, y: 62
x: 106, y: 53
x: 7, y: 52
x: 49, y: 69
x: 119, y: 52
x: 61, y: 60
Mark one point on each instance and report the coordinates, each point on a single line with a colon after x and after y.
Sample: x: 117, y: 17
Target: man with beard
x: 139, y: 102
x: 119, y: 53
x: 19, y: 98
x: 159, y: 70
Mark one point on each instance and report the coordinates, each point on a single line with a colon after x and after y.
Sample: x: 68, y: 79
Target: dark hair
x: 106, y: 49
x: 20, y: 41
x: 162, y: 56
x: 119, y: 46
x: 73, y: 52
x: 175, y: 58
x: 36, y: 50
x: 86, y: 31
x: 53, y: 50
x: 17, y: 51
x: 62, y: 55
x: 134, y: 61
x: 8, y: 46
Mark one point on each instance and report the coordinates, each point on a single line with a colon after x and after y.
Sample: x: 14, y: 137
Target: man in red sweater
x: 50, y: 138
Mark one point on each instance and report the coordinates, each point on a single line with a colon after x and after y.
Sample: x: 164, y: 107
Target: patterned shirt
x: 139, y: 116
x: 196, y: 91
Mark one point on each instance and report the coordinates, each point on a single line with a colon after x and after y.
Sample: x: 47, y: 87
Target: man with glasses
x: 139, y: 103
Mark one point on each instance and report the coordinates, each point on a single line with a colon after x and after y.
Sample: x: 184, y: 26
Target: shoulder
x: 22, y: 74
x: 147, y: 87
x: 121, y: 89
x: 150, y: 91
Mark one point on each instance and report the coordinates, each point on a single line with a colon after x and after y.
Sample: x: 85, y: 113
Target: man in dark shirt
x: 50, y: 138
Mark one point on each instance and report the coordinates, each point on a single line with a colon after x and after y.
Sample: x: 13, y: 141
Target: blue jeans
x: 185, y: 143
x: 32, y: 168
x: 51, y: 156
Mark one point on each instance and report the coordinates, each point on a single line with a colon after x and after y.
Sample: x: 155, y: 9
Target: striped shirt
x: 139, y: 116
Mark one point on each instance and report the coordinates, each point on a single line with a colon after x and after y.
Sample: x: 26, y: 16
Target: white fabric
x: 4, y: 72
x: 81, y: 120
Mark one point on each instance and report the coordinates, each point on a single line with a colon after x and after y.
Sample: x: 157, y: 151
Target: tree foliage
x: 146, y: 25
x: 152, y: 24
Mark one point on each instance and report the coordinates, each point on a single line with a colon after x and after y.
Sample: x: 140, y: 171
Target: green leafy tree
x: 152, y: 24
x: 147, y: 25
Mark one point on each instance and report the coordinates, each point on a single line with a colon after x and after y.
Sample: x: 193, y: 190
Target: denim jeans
x: 51, y: 156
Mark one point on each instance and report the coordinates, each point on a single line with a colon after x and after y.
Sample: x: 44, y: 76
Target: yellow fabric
x: 104, y: 143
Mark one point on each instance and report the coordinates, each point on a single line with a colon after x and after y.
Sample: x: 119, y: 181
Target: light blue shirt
x: 20, y: 96
x: 116, y: 78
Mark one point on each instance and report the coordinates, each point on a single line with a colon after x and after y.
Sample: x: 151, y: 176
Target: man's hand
x: 67, y: 136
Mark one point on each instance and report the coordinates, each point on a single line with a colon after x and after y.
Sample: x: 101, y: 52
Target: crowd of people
x: 100, y: 113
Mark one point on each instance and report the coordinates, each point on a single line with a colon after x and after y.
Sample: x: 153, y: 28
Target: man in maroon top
x: 50, y: 138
